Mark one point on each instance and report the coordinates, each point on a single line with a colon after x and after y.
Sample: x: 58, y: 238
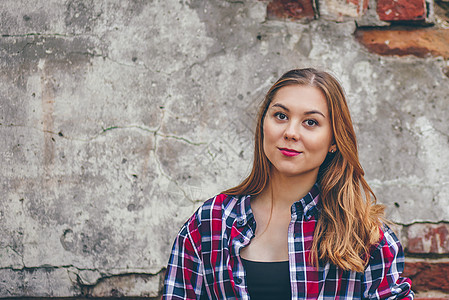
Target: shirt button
x: 240, y: 223
x: 238, y: 280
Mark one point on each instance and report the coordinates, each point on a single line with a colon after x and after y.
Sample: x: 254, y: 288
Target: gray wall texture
x: 118, y: 118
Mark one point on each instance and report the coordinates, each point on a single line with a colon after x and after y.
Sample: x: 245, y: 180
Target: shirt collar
x: 244, y: 212
x: 308, y: 204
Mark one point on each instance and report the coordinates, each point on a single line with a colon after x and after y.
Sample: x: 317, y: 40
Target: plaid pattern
x: 205, y: 261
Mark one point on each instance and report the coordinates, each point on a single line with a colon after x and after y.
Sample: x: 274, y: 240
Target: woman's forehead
x: 299, y: 97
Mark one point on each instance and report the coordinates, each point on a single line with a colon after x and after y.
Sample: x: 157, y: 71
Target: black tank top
x: 267, y: 280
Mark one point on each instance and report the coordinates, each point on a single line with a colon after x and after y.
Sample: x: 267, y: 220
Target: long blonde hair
x: 349, y: 221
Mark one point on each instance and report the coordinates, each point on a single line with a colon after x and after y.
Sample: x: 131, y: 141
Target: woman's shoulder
x: 217, y: 201
x: 220, y: 207
x: 388, y: 241
x: 223, y: 200
x: 209, y: 217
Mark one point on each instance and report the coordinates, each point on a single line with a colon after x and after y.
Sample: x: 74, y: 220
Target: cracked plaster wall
x: 117, y: 118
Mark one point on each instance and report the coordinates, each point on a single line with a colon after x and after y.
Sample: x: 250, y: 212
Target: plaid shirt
x: 205, y: 261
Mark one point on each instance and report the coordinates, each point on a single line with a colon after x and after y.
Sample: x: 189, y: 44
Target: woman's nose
x: 291, y: 132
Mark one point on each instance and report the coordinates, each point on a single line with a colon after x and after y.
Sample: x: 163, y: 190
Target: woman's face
x: 297, y: 131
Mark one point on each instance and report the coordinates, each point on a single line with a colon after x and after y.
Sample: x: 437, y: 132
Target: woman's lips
x: 289, y: 152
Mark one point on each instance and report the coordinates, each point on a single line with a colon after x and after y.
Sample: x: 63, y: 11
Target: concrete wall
x: 118, y: 118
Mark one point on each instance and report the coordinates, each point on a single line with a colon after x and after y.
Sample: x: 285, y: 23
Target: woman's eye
x: 311, y: 122
x: 280, y: 116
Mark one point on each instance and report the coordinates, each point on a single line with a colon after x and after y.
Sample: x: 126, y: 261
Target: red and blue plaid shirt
x: 205, y: 261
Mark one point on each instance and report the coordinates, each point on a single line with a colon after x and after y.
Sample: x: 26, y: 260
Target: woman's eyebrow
x: 281, y: 106
x: 310, y: 112
x: 314, y: 112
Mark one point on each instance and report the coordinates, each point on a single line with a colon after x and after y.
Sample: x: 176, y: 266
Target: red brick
x: 428, y: 276
x: 401, y: 10
x: 291, y: 9
x: 340, y: 10
x: 428, y: 238
x: 419, y: 42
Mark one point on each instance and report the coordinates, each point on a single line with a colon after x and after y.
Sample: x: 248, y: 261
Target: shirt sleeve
x: 184, y: 276
x: 382, y: 278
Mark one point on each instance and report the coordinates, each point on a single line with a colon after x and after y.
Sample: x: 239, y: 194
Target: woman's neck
x: 286, y: 190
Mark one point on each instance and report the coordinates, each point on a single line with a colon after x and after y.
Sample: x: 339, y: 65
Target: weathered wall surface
x: 117, y: 118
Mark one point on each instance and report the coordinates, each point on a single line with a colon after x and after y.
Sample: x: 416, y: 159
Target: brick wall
x: 395, y: 28
x: 385, y: 27
x: 427, y: 264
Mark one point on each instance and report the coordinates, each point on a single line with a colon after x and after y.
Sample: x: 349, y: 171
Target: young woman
x: 304, y: 223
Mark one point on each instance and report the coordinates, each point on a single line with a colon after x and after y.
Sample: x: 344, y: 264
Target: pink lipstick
x: 289, y: 152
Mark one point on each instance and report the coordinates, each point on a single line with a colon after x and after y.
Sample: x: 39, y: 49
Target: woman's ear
x: 333, y: 148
